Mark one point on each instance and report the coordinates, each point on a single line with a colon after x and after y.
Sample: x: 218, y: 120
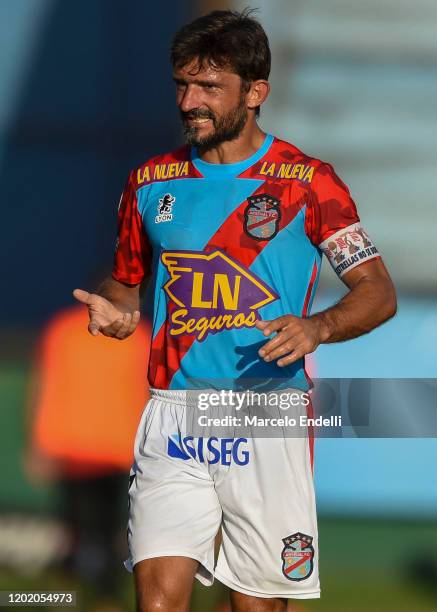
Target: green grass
x: 16, y: 493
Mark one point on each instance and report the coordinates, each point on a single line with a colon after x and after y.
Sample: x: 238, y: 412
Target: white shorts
x: 258, y: 490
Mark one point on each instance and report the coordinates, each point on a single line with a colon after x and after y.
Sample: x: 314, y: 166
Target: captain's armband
x: 348, y: 248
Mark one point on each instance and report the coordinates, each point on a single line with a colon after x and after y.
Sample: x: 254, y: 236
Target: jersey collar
x: 227, y: 170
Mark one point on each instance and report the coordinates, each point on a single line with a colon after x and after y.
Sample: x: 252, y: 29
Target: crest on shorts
x: 297, y: 556
x: 261, y: 216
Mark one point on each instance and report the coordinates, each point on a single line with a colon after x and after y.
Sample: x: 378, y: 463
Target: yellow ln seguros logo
x: 212, y: 292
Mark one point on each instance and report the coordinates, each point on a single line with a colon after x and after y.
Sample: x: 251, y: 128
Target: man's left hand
x: 295, y: 338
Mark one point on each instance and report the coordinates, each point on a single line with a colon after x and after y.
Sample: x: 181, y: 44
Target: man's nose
x: 190, y: 99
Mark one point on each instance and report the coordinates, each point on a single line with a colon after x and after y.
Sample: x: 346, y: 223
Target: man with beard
x: 231, y: 227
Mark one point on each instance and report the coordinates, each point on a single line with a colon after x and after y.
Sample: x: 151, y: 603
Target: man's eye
x: 210, y: 86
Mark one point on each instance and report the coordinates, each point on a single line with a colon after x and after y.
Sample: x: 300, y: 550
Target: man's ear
x: 257, y: 93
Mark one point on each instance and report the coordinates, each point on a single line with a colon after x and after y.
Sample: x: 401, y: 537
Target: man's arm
x: 370, y: 301
x: 113, y: 309
x: 124, y: 297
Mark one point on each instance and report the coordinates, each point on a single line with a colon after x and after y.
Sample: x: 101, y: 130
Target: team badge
x: 297, y: 556
x: 262, y: 216
x: 165, y: 208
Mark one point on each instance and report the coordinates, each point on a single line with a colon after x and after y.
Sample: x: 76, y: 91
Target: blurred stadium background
x: 85, y: 95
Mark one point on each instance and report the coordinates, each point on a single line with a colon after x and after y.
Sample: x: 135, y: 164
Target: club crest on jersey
x: 297, y: 556
x: 165, y: 208
x: 261, y: 216
x: 211, y: 292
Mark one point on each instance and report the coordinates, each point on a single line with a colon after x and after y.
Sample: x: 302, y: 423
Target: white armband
x: 348, y: 248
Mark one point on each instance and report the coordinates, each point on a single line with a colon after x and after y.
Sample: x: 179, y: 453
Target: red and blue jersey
x: 227, y: 244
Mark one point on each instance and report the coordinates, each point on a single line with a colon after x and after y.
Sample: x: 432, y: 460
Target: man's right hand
x: 105, y: 317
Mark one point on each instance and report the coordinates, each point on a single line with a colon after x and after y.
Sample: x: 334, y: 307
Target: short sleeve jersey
x: 227, y: 244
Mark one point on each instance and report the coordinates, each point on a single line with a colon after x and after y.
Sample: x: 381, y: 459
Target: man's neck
x: 245, y: 145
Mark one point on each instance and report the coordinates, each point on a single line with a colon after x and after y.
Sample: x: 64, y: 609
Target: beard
x: 225, y: 127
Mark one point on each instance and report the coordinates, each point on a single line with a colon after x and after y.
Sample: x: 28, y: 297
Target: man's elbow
x: 390, y: 303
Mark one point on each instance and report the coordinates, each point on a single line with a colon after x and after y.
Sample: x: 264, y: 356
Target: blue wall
x: 381, y: 476
x: 86, y: 94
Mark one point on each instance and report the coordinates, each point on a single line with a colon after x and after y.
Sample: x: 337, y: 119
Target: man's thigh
x: 164, y: 584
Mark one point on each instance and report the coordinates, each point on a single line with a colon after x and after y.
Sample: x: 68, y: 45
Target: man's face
x: 211, y: 102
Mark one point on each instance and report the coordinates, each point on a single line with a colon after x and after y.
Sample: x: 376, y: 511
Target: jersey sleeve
x: 133, y: 252
x: 332, y: 222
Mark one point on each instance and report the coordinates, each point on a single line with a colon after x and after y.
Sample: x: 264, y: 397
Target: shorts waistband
x: 175, y: 396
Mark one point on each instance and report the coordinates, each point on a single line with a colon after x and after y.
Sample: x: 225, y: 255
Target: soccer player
x: 231, y: 228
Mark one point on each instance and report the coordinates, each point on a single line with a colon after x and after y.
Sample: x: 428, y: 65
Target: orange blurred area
x: 88, y: 394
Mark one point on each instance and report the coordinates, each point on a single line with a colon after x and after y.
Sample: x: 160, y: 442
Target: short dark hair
x: 225, y: 38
